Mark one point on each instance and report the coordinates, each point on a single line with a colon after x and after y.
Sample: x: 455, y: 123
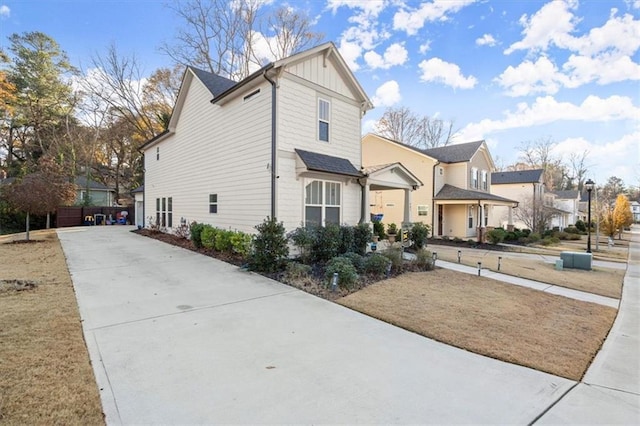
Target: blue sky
x: 504, y: 71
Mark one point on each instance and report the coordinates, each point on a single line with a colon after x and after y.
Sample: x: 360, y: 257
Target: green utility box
x: 576, y: 260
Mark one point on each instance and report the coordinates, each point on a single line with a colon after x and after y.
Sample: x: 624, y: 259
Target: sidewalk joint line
x: 539, y: 416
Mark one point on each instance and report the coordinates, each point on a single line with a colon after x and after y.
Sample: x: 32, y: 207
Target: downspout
x: 273, y: 143
x: 433, y: 200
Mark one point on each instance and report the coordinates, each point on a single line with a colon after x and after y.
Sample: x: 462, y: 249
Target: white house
x: 524, y: 186
x: 284, y: 142
x: 567, y: 204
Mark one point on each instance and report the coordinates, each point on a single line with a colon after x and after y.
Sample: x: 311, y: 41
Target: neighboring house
x: 456, y: 198
x: 138, y: 196
x: 635, y: 211
x: 524, y: 186
x: 284, y: 143
x: 567, y: 204
x: 93, y: 193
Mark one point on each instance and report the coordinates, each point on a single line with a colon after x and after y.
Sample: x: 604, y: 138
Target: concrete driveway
x: 177, y: 337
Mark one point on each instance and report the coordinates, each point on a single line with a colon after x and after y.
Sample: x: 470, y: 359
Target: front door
x: 440, y: 215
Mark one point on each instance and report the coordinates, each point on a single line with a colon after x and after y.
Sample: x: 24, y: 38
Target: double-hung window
x: 474, y: 178
x: 324, y: 108
x: 485, y: 182
x: 213, y: 203
x: 470, y: 217
x: 322, y: 203
x: 423, y: 210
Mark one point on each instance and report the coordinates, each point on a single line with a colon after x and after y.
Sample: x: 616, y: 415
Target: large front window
x: 322, y: 202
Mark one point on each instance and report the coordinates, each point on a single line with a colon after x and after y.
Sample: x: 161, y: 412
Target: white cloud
x: 603, y: 70
x: 618, y: 34
x: 387, y: 94
x: 5, y: 12
x: 486, y: 40
x: 350, y: 53
x: 547, y: 110
x: 530, y: 77
x: 395, y: 54
x: 411, y: 20
x: 426, y: 46
x: 552, y: 23
x: 437, y: 70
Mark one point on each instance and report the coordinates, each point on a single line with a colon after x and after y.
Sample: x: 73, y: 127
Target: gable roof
x: 519, y: 176
x: 450, y: 192
x: 457, y: 153
x: 84, y: 183
x: 567, y: 194
x: 328, y: 164
x: 214, y: 83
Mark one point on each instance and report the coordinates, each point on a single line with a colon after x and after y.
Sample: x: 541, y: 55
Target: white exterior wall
x: 297, y: 111
x: 215, y: 150
x: 521, y: 192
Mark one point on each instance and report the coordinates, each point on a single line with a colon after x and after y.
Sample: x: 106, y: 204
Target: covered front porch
x: 463, y: 213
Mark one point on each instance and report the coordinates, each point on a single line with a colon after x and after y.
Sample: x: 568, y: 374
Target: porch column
x: 510, y: 219
x: 407, y: 207
x: 366, y: 205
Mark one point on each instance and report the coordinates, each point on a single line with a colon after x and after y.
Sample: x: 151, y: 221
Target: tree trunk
x: 48, y: 220
x: 27, y: 238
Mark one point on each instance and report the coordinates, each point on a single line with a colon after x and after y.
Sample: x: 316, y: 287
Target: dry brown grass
x: 602, y: 281
x: 45, y: 373
x: 515, y: 324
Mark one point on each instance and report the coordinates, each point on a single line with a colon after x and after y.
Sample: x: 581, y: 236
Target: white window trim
x: 474, y: 178
x: 423, y: 208
x: 213, y: 203
x: 484, y: 180
x: 324, y: 204
x: 328, y: 120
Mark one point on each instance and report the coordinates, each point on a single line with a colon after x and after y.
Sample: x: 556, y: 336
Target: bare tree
x: 221, y: 36
x: 579, y: 168
x: 537, y: 154
x: 403, y: 125
x: 534, y: 214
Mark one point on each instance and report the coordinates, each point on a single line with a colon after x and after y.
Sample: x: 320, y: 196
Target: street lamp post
x: 589, y: 185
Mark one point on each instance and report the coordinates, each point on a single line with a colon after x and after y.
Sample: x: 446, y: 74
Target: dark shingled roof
x: 571, y: 194
x: 328, y: 164
x: 81, y: 181
x: 519, y: 176
x: 454, y: 153
x: 138, y: 189
x: 450, y: 192
x: 215, y: 83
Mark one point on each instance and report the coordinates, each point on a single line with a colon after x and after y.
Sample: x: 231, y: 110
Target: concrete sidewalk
x: 177, y: 337
x: 610, y: 390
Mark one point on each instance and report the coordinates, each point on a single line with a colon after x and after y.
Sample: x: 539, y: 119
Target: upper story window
x: 323, y: 119
x: 485, y: 180
x: 474, y: 178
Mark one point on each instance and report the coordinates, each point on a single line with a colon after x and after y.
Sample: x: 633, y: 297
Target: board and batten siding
x: 314, y: 70
x: 223, y: 150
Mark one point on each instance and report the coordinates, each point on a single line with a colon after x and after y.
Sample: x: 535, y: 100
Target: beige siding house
x: 524, y: 186
x: 456, y: 199
x: 284, y: 143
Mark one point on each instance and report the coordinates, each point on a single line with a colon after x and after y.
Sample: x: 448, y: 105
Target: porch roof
x: 455, y: 195
x: 391, y: 176
x: 316, y: 162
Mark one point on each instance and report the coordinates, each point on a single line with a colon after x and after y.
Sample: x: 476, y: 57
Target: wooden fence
x: 76, y: 216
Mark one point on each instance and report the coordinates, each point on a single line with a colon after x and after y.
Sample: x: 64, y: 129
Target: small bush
x: 392, y: 228
x: 183, y: 230
x: 496, y: 236
x: 270, y: 249
x: 378, y: 229
x: 347, y: 274
x: 223, y: 241
x: 240, y: 243
x: 534, y: 237
x: 361, y: 236
x: 419, y: 234
x: 571, y: 230
x: 326, y: 244
x: 303, y: 239
x: 547, y: 241
x: 356, y: 260
x: 377, y: 265
x: 511, y: 236
x: 457, y: 239
x: 196, y: 232
x: 445, y: 238
x: 208, y: 236
x: 347, y: 239
x: 423, y: 260
x: 394, y: 254
x: 581, y: 226
x: 296, y: 271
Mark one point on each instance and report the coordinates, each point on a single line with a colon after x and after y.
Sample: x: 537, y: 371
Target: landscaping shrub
x: 376, y: 265
x: 394, y: 254
x: 511, y: 236
x: 419, y: 234
x: 457, y: 239
x: 571, y: 230
x: 534, y: 237
x: 392, y: 229
x: 423, y: 260
x: 196, y: 233
x: 326, y: 244
x: 296, y: 271
x: 223, y: 240
x: 581, y: 226
x: 347, y: 274
x: 303, y: 238
x: 270, y: 249
x: 356, y: 260
x: 547, y: 241
x: 496, y: 236
x: 241, y: 243
x: 183, y: 230
x: 208, y: 236
x: 361, y: 236
x: 347, y: 239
